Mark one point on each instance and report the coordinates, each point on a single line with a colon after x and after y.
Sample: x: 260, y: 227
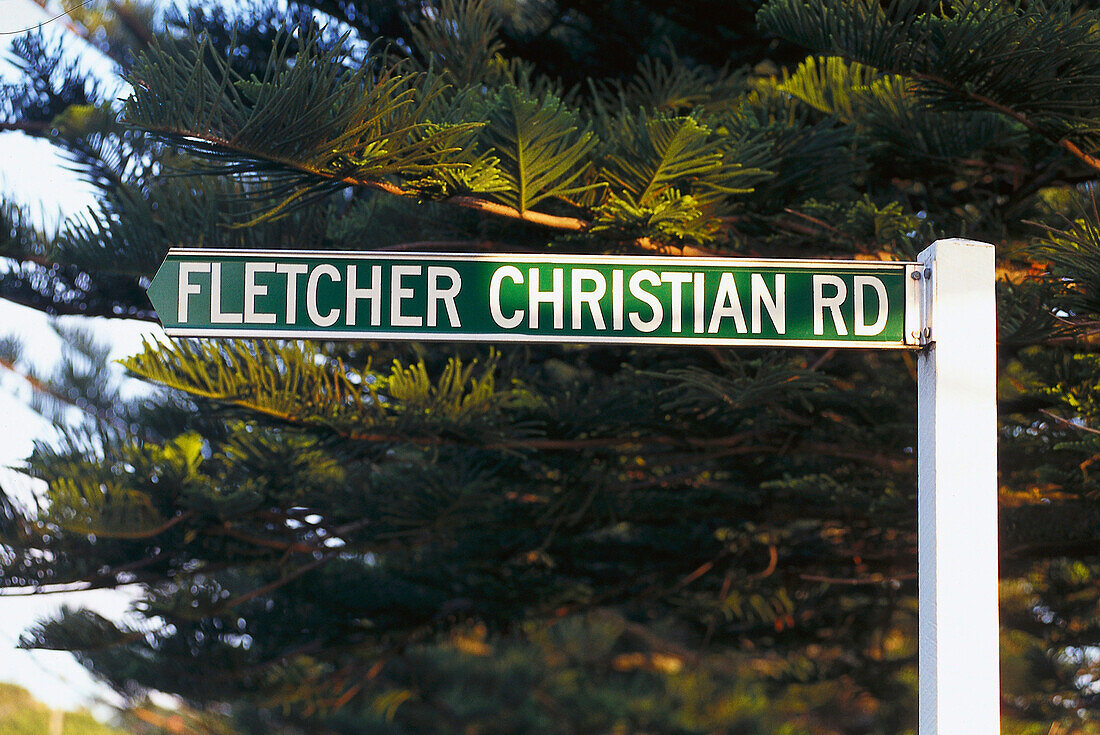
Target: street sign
x: 651, y: 300
x: 538, y: 298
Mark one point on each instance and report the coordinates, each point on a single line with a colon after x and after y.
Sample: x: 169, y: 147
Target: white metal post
x: 959, y: 690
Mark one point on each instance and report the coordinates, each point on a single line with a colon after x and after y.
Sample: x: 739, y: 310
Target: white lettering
x: 217, y: 316
x: 776, y: 306
x: 727, y: 304
x: 186, y: 288
x: 677, y: 305
x: 617, y: 300
x: 253, y: 290
x: 398, y: 294
x: 592, y: 298
x: 446, y: 295
x: 292, y: 271
x: 636, y: 290
x: 506, y: 271
x: 372, y: 293
x: 821, y: 302
x: 311, y: 295
x: 698, y: 294
x: 861, y: 327
x: 555, y: 297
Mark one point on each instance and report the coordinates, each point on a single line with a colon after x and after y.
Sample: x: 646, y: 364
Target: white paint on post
x: 958, y: 658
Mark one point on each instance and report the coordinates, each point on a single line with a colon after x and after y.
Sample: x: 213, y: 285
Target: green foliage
x: 20, y: 239
x: 367, y: 537
x: 294, y: 383
x: 666, y: 172
x: 1072, y: 251
x: 808, y: 157
x: 673, y: 87
x: 306, y: 126
x: 542, y: 146
x: 1035, y: 62
x: 838, y: 88
x: 462, y: 38
x: 52, y: 84
x: 890, y: 108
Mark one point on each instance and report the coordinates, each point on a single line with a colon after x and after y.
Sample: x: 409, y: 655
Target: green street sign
x: 538, y: 298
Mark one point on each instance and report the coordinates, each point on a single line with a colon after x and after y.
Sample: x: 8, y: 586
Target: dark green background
x: 473, y: 299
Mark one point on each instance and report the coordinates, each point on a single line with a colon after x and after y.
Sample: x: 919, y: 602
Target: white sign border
x: 912, y: 335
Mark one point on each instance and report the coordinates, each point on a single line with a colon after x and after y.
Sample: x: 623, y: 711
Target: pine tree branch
x: 541, y: 444
x: 773, y: 563
x: 556, y: 444
x: 288, y: 546
x: 647, y: 636
x: 875, y: 459
x: 557, y: 222
x: 169, y: 723
x: 271, y: 587
x: 821, y: 224
x: 1086, y: 548
x: 571, y: 224
x: 60, y: 588
x: 147, y: 533
x: 34, y: 127
x: 873, y: 579
x: 36, y: 259
x: 46, y: 389
x: 35, y: 383
x: 1060, y: 141
x: 292, y: 547
x: 133, y: 24
x: 687, y: 251
x: 827, y: 355
x: 1067, y: 422
x: 730, y: 444
x: 133, y: 566
x: 568, y: 224
x: 372, y: 671
x: 569, y: 444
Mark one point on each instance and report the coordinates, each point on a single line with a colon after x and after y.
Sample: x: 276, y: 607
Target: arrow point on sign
x: 160, y: 291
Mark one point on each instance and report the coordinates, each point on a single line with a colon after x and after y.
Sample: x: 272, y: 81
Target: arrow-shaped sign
x: 537, y: 298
